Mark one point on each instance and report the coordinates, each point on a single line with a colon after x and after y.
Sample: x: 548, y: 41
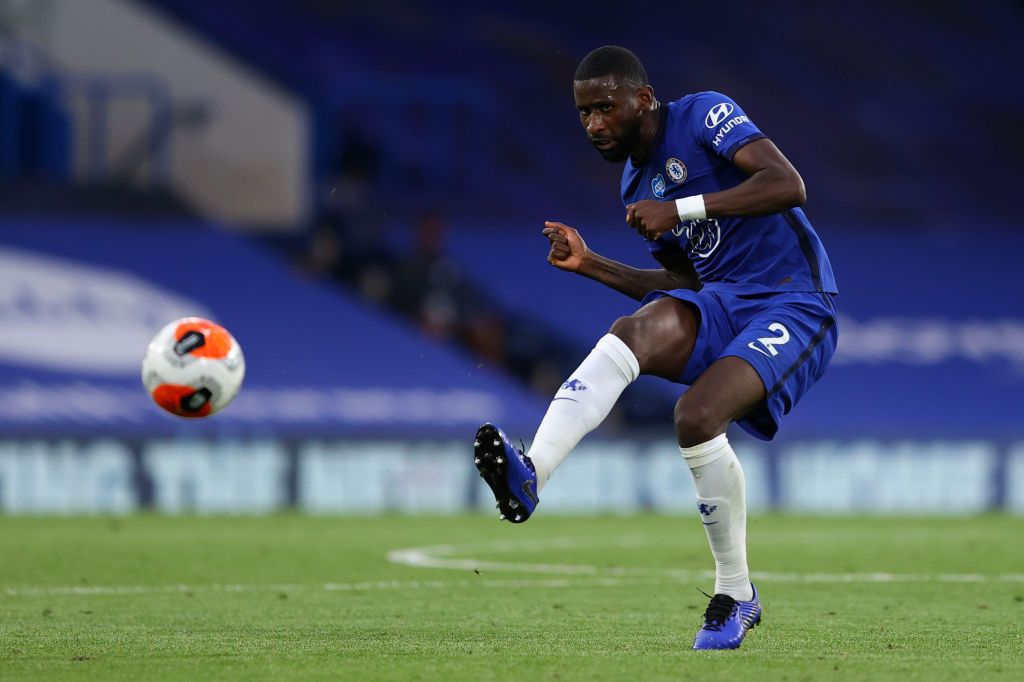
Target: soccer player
x: 740, y: 310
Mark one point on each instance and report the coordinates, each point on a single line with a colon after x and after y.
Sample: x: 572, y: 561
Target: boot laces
x: 523, y: 456
x: 719, y: 610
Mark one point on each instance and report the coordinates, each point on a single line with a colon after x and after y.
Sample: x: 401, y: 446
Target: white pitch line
x: 368, y: 586
x: 437, y: 557
x: 113, y: 590
x: 577, y: 575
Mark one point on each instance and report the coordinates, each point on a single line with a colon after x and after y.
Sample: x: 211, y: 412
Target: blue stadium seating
x: 882, y: 105
x: 80, y: 297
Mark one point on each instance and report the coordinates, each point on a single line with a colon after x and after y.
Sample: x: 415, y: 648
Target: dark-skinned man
x: 740, y: 310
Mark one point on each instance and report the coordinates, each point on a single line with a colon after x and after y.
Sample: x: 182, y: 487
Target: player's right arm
x: 570, y: 253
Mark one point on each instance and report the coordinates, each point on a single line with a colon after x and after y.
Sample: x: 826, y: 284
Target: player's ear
x: 645, y: 97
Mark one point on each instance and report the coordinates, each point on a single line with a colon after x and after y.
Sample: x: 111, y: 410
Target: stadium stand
x: 878, y: 131
x: 81, y: 297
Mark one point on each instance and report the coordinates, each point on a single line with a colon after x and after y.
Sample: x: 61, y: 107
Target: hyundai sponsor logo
x: 729, y: 125
x: 717, y: 114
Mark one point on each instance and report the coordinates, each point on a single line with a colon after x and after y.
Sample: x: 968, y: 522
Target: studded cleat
x: 727, y: 621
x: 507, y: 471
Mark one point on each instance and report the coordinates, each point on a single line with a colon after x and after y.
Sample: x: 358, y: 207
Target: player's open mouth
x: 603, y: 144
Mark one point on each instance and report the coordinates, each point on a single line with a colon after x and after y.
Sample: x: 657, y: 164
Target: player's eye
x: 605, y: 108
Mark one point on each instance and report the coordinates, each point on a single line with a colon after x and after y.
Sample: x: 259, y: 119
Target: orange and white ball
x: 193, y: 368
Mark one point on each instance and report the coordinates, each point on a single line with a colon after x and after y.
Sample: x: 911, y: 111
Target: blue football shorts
x: 788, y: 337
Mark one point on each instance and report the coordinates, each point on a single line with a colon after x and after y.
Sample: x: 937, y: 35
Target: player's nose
x: 594, y: 125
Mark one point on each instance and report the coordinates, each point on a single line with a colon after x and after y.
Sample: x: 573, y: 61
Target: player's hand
x: 568, y: 249
x: 652, y: 218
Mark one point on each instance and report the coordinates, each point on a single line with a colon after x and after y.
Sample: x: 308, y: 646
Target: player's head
x: 612, y: 95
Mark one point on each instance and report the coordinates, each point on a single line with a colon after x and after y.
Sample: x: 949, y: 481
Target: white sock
x: 582, y: 403
x: 722, y: 502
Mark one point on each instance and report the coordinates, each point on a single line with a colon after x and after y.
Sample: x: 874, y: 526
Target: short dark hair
x: 612, y: 60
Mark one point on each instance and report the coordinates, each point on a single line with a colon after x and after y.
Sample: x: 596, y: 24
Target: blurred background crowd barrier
x: 357, y: 191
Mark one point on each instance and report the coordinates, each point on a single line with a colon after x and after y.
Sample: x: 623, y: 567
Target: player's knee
x: 696, y: 423
x: 661, y: 336
x: 639, y: 333
x: 630, y: 330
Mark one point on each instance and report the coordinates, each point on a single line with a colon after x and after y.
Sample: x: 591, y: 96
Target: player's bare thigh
x: 661, y: 335
x: 725, y: 392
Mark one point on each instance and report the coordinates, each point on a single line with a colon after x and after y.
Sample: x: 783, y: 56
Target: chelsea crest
x: 676, y: 170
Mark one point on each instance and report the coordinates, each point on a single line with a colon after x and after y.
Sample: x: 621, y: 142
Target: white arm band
x: 691, y: 208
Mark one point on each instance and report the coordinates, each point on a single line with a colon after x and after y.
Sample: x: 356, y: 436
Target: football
x: 193, y: 368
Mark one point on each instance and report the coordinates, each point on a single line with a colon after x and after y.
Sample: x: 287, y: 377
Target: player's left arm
x: 773, y: 185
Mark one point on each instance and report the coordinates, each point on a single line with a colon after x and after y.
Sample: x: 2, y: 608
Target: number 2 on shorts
x: 769, y: 342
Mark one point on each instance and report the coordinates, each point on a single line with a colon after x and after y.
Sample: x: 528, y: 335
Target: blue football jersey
x: 697, y: 139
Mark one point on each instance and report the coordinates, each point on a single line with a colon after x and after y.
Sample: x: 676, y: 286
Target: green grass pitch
x: 289, y: 597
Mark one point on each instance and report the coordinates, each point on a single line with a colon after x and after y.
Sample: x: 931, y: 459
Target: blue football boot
x: 727, y: 621
x: 507, y: 471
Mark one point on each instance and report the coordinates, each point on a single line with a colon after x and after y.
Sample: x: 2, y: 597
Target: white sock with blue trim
x: 722, y: 503
x: 582, y: 403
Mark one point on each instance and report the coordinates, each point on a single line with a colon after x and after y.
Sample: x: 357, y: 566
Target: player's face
x: 611, y: 115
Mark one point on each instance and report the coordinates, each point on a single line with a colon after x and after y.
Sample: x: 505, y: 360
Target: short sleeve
x: 721, y: 125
